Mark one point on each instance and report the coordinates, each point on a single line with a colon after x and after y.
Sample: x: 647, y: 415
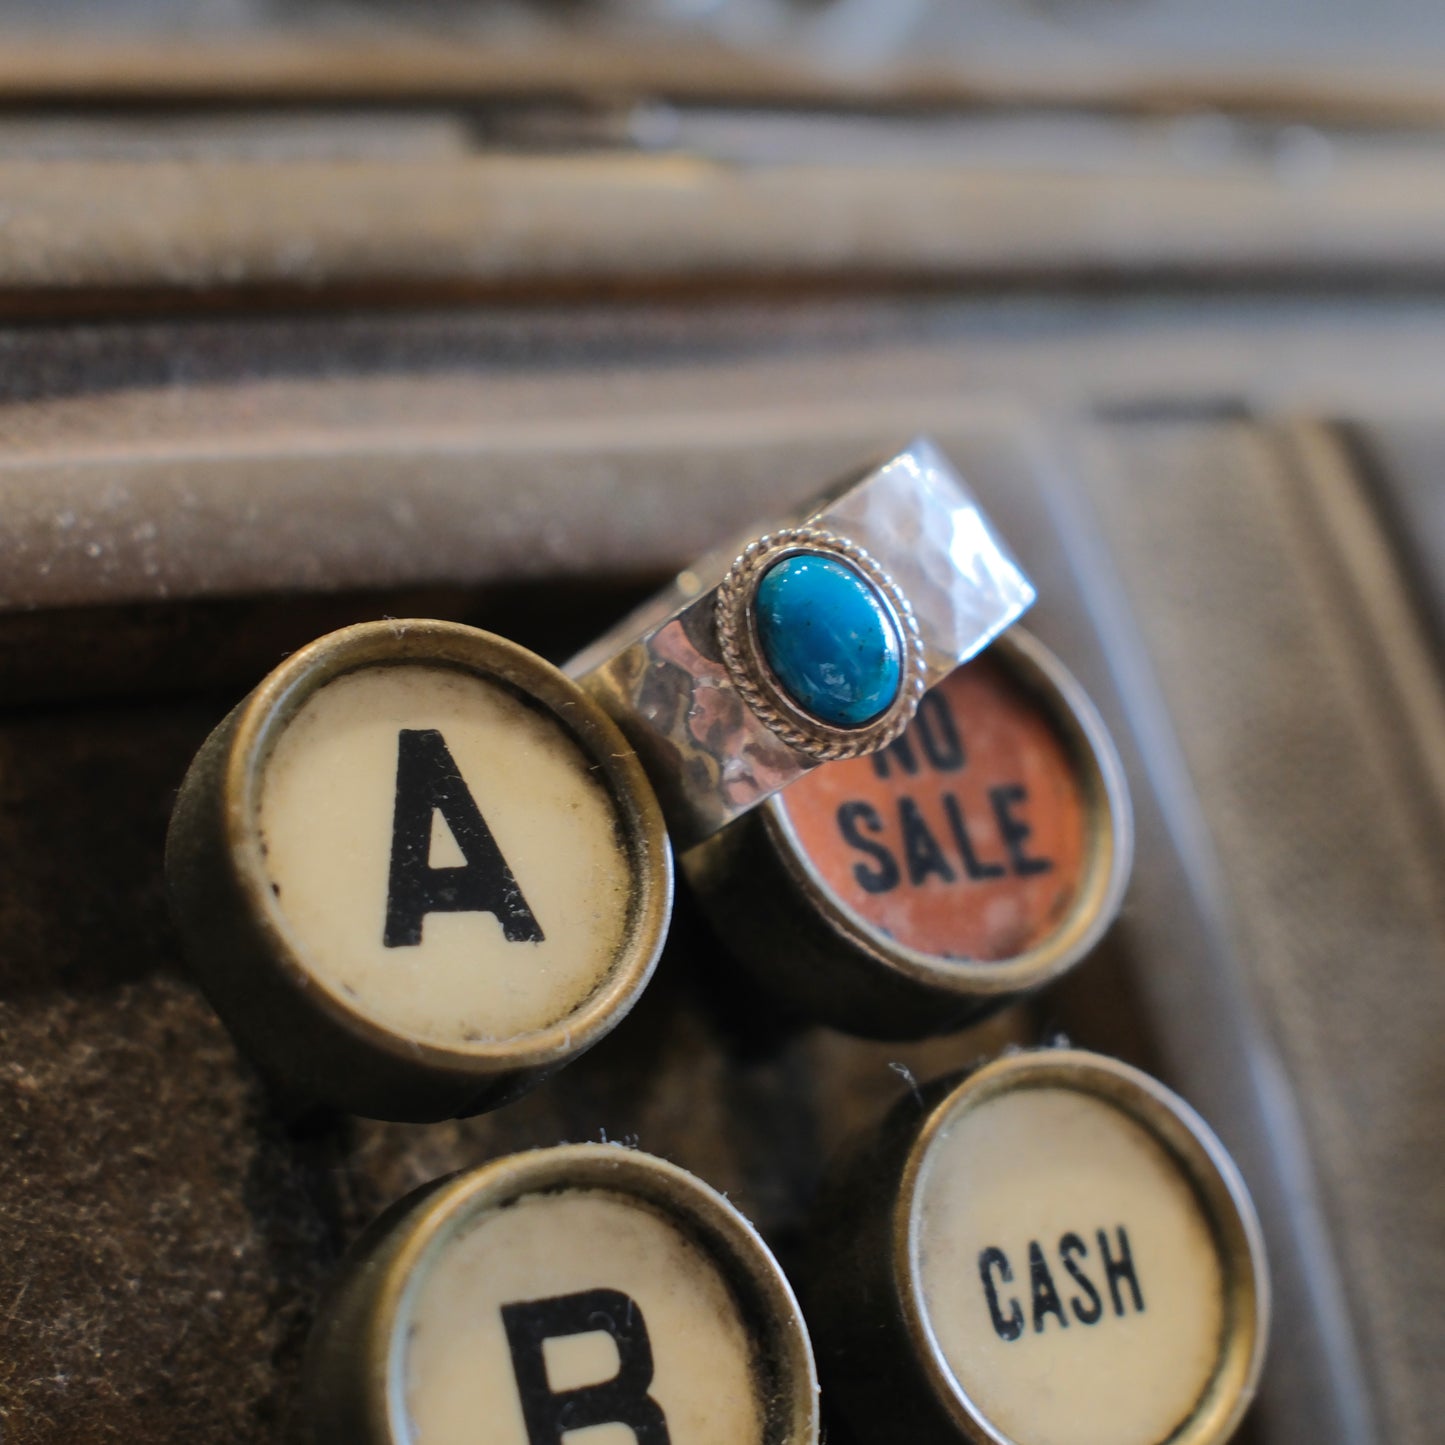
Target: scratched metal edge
x: 128, y: 62
x: 497, y: 220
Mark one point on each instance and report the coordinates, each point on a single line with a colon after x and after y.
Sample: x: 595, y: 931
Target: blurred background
x: 311, y: 312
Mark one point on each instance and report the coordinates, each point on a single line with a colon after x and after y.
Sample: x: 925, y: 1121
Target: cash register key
x: 586, y: 1288
x: 977, y: 857
x: 417, y: 869
x: 1056, y: 1251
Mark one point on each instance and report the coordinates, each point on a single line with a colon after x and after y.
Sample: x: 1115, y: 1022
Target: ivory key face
x: 417, y: 869
x: 447, y: 862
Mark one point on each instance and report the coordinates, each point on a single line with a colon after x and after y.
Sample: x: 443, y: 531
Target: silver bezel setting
x: 742, y: 651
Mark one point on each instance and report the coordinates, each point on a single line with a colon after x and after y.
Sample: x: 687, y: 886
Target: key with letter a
x: 583, y: 1288
x: 417, y: 868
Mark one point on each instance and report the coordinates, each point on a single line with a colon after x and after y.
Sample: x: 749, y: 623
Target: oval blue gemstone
x: 828, y: 639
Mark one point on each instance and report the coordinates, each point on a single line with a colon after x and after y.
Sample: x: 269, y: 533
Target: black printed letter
x: 622, y: 1400
x: 427, y: 781
x: 900, y: 750
x: 852, y: 817
x: 1014, y: 831
x: 1046, y: 1297
x: 1006, y: 1326
x: 920, y: 847
x: 1069, y: 1246
x: 934, y: 725
x: 972, y: 865
x: 1121, y: 1268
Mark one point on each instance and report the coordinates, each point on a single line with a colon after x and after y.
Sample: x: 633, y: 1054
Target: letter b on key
x: 621, y: 1400
x: 560, y: 1296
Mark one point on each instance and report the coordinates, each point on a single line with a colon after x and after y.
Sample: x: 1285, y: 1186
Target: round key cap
x: 584, y: 1288
x: 977, y: 857
x: 417, y: 869
x: 1056, y: 1251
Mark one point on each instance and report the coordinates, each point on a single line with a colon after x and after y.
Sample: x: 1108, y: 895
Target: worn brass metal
x: 769, y: 901
x: 879, y: 1360
x: 353, y: 1369
x: 250, y: 963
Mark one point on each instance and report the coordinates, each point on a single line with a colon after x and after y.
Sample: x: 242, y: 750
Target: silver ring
x: 721, y: 722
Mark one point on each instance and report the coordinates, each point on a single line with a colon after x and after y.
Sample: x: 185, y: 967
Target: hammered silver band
x: 683, y: 676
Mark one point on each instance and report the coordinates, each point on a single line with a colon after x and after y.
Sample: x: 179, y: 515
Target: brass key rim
x: 1218, y: 1188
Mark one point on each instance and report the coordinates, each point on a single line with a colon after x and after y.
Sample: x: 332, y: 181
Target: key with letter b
x: 586, y: 1287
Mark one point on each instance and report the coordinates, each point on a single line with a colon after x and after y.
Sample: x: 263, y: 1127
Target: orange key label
x: 966, y: 838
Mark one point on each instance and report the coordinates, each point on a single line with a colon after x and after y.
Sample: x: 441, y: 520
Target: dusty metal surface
x: 1367, y: 57
x: 1284, y: 203
x: 499, y: 445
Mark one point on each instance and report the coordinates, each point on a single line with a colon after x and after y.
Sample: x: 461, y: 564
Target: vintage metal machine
x: 313, y: 314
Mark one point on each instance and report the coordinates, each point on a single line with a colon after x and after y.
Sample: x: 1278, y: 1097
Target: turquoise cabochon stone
x: 829, y: 639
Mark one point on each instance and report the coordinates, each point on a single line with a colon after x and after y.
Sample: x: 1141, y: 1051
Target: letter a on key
x: 428, y: 781
x: 622, y: 1400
